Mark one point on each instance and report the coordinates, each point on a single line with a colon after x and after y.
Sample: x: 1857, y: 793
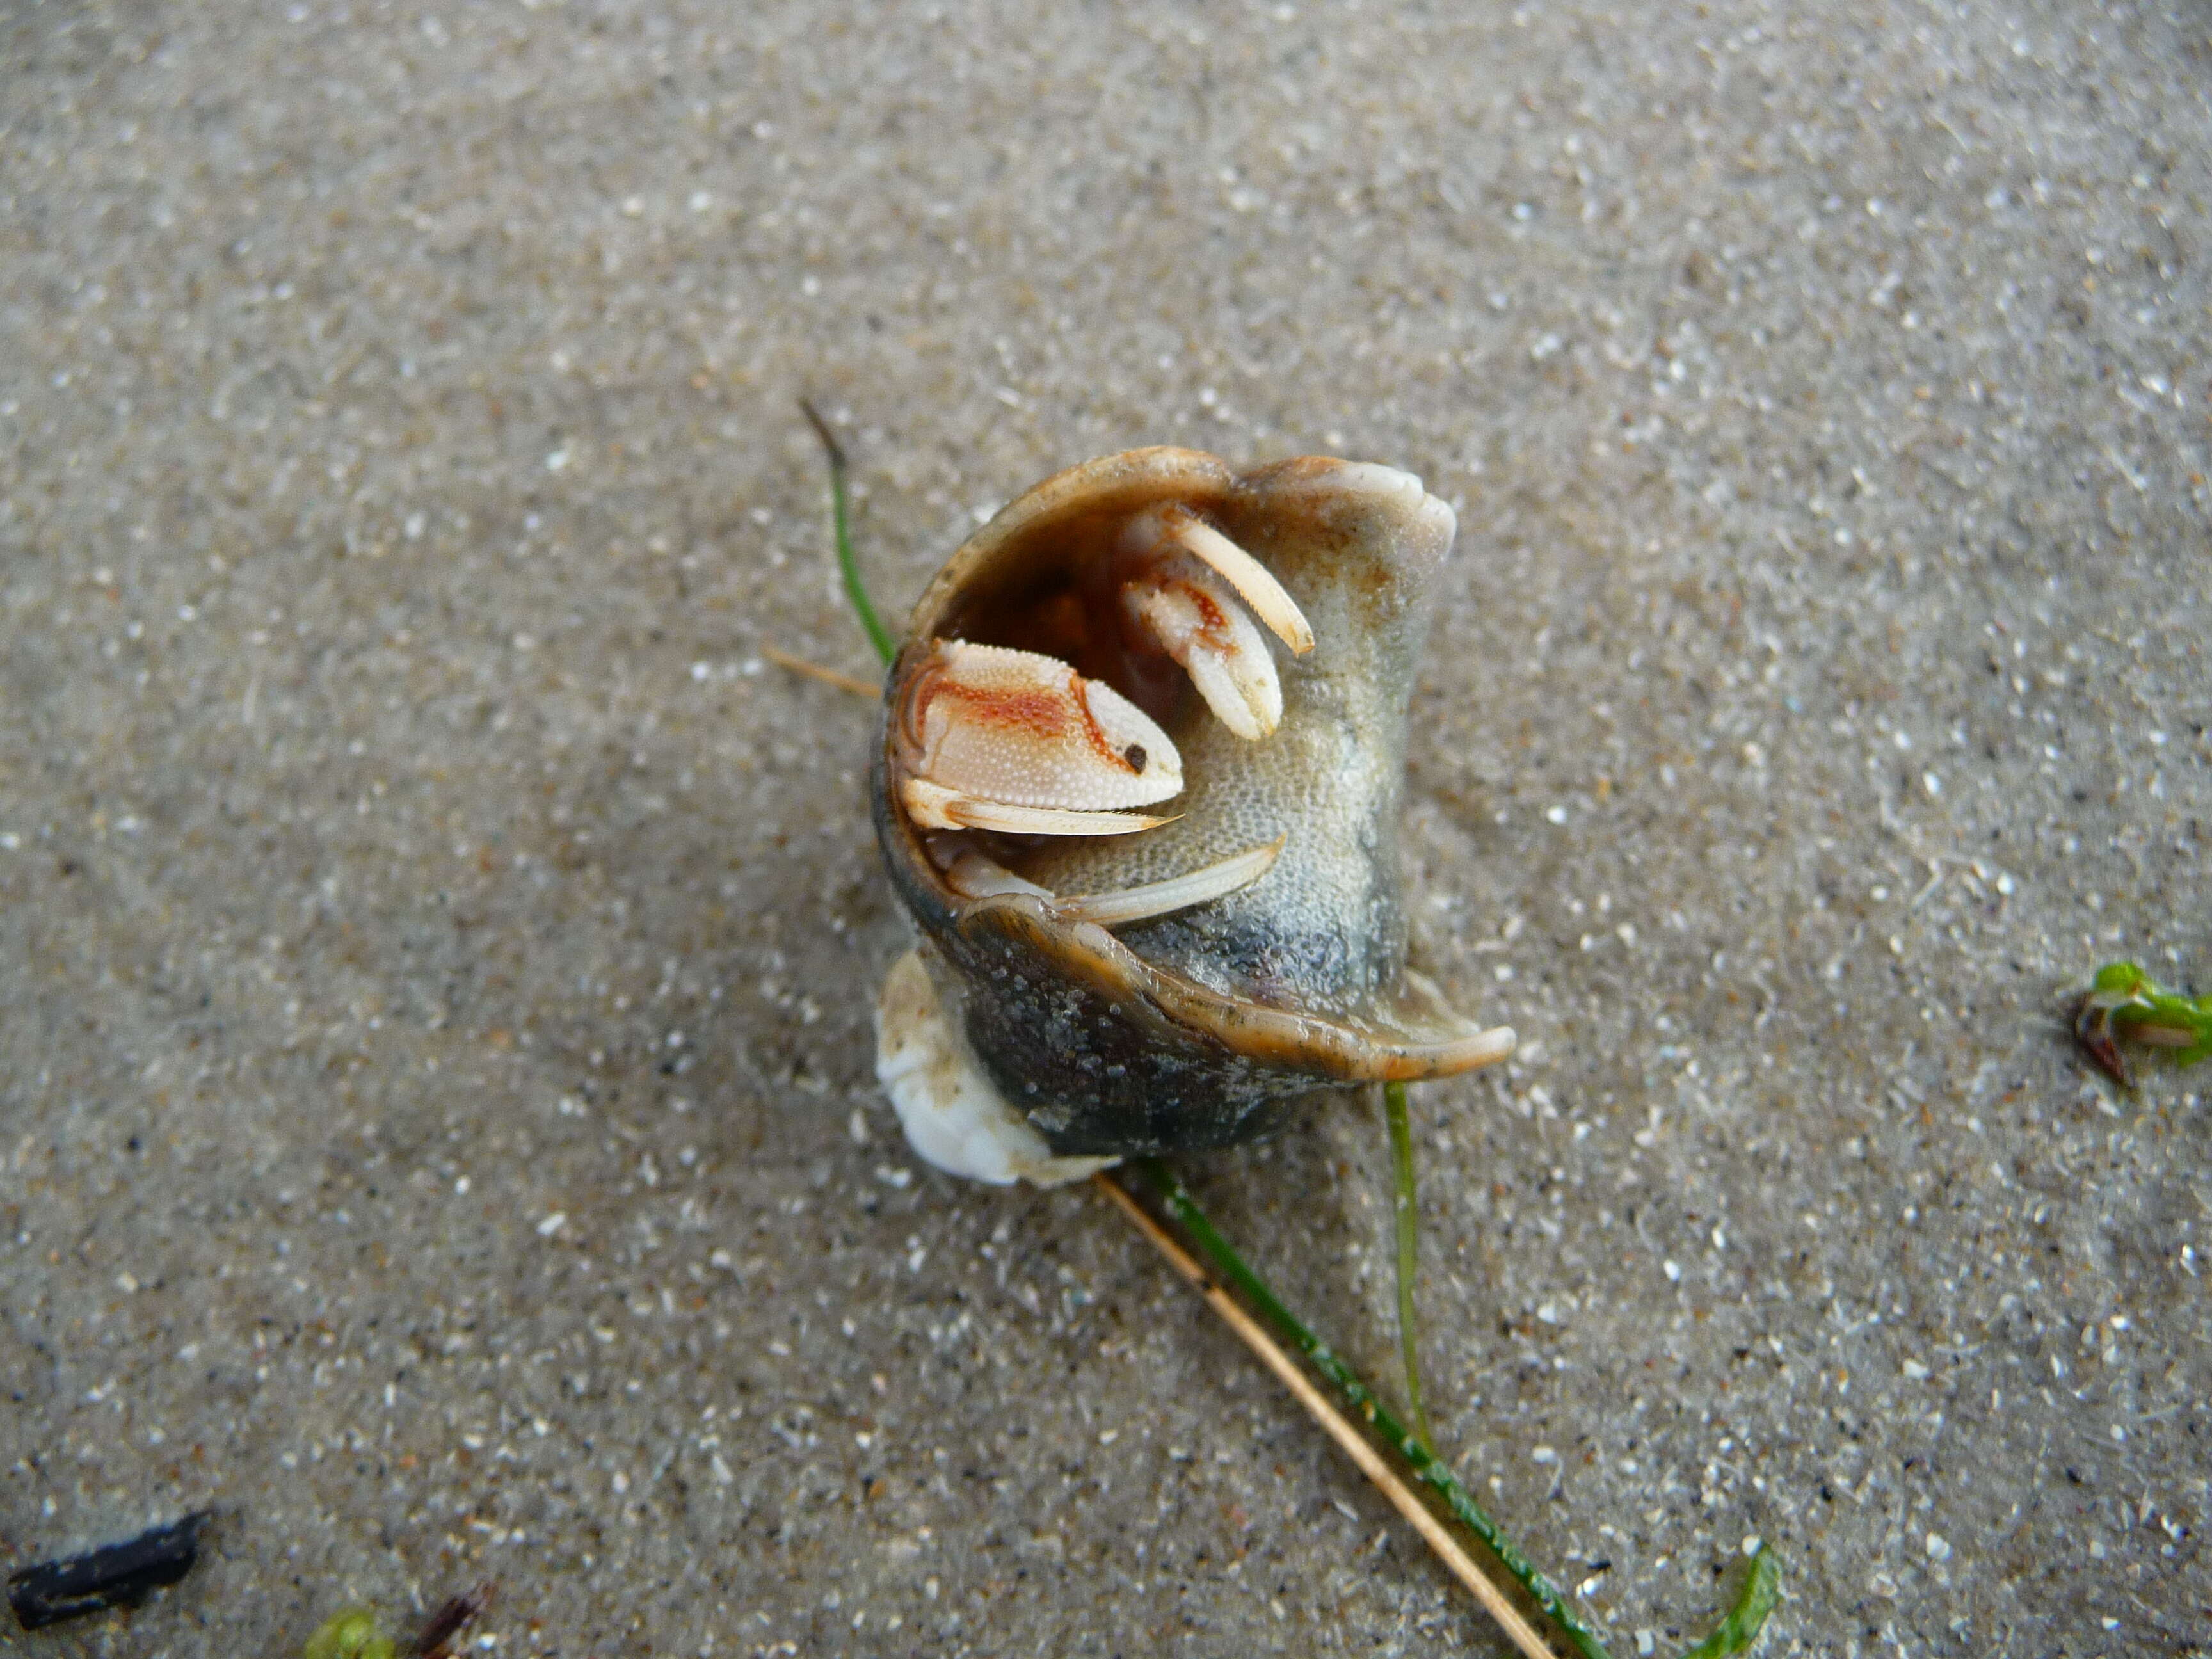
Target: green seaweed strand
x: 840, y: 521
x: 1762, y: 1588
x: 1407, y: 1217
x: 2125, y: 1003
x: 351, y: 1633
x: 1364, y: 1406
x: 1738, y: 1629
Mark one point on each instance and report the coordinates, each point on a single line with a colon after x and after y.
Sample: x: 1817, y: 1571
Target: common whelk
x: 1151, y: 856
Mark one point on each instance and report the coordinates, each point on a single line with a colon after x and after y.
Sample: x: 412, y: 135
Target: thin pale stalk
x: 1739, y: 1628
x: 815, y: 670
x: 1407, y: 1219
x: 841, y: 518
x: 1356, y: 1445
x: 1370, y: 1410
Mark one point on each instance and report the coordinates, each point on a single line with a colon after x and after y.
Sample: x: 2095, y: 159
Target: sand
x: 436, y: 942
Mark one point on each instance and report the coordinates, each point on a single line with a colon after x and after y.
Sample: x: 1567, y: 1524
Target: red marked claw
x: 1014, y: 741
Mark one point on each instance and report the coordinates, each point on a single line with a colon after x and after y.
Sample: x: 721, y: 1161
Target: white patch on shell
x: 1371, y: 477
x: 954, y: 1116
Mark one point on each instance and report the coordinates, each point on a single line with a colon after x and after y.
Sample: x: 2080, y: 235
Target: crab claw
x: 1020, y: 743
x: 1197, y: 620
x: 1185, y: 594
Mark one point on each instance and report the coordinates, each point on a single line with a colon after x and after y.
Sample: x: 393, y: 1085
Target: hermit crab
x: 1138, y: 786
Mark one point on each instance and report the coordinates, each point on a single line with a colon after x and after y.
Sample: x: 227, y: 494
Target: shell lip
x: 1329, y: 1050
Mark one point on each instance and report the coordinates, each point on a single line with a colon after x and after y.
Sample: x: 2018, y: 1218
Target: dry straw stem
x: 815, y: 670
x: 1341, y: 1428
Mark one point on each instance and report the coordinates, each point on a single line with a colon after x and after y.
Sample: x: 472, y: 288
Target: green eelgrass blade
x: 1408, y: 1221
x: 1370, y: 1410
x: 841, y: 519
x: 1738, y: 1630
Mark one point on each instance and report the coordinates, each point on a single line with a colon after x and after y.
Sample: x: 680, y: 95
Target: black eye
x: 1134, y: 754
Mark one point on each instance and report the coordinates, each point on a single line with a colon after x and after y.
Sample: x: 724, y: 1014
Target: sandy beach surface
x: 438, y: 1128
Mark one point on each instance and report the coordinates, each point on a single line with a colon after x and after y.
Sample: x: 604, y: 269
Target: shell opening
x: 1024, y: 742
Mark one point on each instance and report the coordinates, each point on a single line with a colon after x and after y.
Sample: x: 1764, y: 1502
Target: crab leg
x: 1253, y: 581
x: 1197, y: 620
x: 1159, y: 898
x: 1195, y: 592
x: 971, y: 875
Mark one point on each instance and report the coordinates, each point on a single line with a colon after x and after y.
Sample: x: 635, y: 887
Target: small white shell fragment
x: 953, y: 1116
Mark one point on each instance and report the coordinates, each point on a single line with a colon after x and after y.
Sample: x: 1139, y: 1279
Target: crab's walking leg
x: 971, y: 875
x: 1189, y: 588
x: 1197, y: 620
x: 1253, y: 581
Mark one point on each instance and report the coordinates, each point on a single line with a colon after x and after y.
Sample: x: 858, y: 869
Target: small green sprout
x: 350, y: 1634
x: 1746, y: 1617
x: 2126, y: 1004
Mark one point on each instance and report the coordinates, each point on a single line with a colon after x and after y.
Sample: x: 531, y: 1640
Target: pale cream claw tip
x: 1270, y: 601
x: 1483, y: 1048
x: 1197, y: 620
x: 934, y: 806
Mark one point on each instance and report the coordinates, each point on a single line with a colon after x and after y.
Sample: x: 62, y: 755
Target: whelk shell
x: 1153, y: 859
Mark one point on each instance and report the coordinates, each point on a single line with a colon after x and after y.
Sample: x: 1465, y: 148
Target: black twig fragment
x: 837, y: 450
x: 113, y: 1576
x: 450, y: 1619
